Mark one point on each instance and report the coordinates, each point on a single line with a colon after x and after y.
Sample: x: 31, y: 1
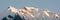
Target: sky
x: 52, y: 5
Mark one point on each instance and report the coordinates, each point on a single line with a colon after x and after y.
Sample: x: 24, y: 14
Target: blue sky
x: 52, y: 5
